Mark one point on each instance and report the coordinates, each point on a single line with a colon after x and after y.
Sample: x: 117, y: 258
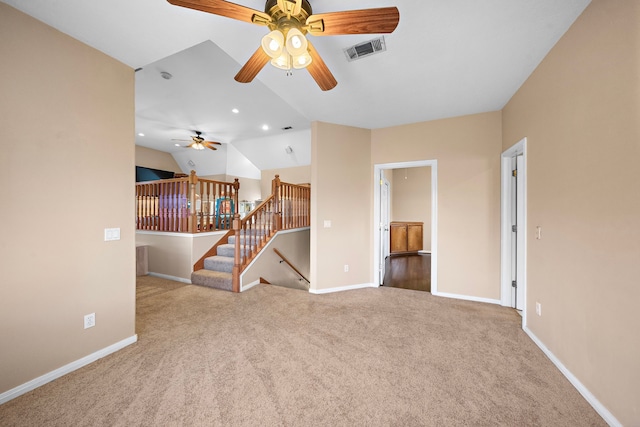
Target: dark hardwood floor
x: 408, y: 272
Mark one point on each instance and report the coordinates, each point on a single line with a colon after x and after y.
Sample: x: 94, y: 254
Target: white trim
x: 466, y: 297
x: 66, y: 369
x: 168, y: 277
x: 342, y: 288
x: 250, y: 285
x: 176, y: 234
x: 589, y: 397
x: 505, y: 228
x: 434, y: 214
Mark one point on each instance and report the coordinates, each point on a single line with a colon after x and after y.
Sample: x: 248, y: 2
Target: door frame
x: 385, y: 245
x: 377, y: 168
x: 519, y: 148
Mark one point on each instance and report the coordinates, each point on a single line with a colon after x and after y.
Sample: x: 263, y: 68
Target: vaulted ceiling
x: 445, y: 59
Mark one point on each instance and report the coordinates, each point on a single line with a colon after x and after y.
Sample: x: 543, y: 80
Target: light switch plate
x: 327, y: 223
x: 111, y: 234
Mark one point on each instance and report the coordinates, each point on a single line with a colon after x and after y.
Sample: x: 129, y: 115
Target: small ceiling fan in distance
x: 286, y: 45
x: 198, y: 142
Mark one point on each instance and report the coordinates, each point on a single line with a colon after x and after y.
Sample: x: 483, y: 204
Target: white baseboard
x: 467, y: 298
x: 595, y: 403
x: 48, y: 377
x: 249, y: 285
x: 342, y: 288
x: 174, y: 278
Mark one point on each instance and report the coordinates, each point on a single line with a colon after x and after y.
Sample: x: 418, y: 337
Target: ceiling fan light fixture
x: 273, y: 44
x: 302, y: 61
x: 296, y: 42
x: 282, y: 62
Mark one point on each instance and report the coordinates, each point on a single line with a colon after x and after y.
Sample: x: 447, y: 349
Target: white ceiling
x: 445, y: 59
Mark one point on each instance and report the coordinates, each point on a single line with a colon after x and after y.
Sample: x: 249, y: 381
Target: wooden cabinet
x: 406, y: 237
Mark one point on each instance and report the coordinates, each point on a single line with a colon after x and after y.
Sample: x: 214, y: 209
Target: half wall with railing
x: 186, y: 205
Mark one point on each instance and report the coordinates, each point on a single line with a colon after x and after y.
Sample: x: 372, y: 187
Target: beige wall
x: 341, y: 182
x: 411, y: 200
x: 468, y: 153
x: 295, y: 175
x: 173, y: 254
x: 154, y: 159
x: 579, y: 111
x: 74, y: 108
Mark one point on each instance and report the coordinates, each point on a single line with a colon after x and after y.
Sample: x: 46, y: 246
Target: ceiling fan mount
x: 289, y: 21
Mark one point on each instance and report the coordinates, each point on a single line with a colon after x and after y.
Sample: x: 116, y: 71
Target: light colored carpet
x: 274, y: 356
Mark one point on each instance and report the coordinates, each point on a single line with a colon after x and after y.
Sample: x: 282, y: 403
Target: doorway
x: 381, y: 227
x: 514, y: 228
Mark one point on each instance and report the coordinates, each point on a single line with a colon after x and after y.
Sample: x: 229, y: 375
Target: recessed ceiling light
x: 165, y: 75
x: 177, y: 145
x: 235, y: 110
x: 265, y: 127
x: 141, y: 134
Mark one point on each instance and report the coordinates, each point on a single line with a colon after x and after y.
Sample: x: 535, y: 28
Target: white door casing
x: 377, y: 250
x: 384, y: 224
x: 514, y: 212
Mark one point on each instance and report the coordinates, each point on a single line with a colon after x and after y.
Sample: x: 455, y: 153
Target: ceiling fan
x: 286, y: 45
x: 198, y: 142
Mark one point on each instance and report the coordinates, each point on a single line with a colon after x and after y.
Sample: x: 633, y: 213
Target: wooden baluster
x: 137, y: 207
x: 163, y: 206
x: 146, y: 206
x: 235, y: 281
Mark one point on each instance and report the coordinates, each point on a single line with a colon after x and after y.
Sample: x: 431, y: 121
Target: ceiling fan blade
x: 319, y: 71
x: 211, y: 142
x: 381, y: 20
x: 253, y: 66
x: 210, y: 146
x: 225, y: 8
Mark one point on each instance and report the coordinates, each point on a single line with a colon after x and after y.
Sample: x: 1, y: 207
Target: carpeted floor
x: 274, y: 356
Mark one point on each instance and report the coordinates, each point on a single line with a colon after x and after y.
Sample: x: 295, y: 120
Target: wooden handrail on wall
x: 293, y: 267
x: 186, y: 205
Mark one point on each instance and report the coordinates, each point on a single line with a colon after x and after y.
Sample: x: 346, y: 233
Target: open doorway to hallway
x: 405, y: 219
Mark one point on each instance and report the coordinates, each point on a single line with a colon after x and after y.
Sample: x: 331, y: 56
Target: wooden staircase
x: 287, y: 208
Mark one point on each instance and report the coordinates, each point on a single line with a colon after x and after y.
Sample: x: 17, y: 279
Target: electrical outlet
x: 90, y: 320
x: 538, y: 233
x: 346, y: 268
x: 539, y: 309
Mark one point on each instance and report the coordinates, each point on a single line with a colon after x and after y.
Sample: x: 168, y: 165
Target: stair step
x: 212, y: 279
x: 247, y: 237
x: 228, y: 250
x: 219, y: 263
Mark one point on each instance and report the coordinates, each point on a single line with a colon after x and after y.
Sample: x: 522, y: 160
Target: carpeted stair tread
x: 228, y: 250
x: 212, y: 279
x: 219, y: 263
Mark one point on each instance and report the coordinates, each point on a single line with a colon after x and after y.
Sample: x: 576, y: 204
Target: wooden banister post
x: 193, y: 180
x: 236, y: 187
x: 275, y: 190
x: 235, y: 281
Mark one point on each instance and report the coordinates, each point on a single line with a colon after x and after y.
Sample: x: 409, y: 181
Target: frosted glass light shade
x: 283, y: 61
x: 302, y: 61
x: 273, y: 44
x: 296, y: 42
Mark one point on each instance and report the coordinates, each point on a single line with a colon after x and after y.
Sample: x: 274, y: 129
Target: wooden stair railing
x: 288, y: 207
x: 186, y: 205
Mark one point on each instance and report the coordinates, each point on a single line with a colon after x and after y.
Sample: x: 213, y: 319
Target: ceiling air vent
x: 365, y: 49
